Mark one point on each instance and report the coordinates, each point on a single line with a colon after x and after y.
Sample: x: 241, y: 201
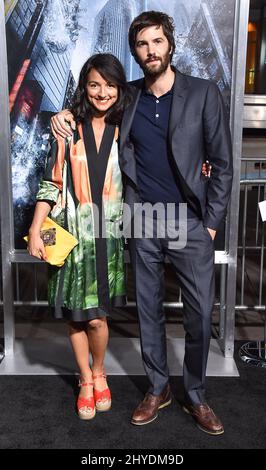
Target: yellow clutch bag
x: 58, y: 242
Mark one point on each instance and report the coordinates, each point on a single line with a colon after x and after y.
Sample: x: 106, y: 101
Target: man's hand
x: 212, y: 233
x: 63, y: 123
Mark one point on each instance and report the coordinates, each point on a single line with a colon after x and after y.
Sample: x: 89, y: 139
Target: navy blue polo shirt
x: 156, y: 177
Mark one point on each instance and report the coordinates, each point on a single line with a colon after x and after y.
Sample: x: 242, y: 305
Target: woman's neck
x: 98, y: 126
x: 98, y: 121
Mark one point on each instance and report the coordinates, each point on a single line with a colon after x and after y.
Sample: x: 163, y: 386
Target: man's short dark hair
x: 152, y: 18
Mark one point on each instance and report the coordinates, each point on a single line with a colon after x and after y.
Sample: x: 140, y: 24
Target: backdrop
x: 49, y: 40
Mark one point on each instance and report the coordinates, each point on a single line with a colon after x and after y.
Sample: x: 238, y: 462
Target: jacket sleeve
x: 219, y: 152
x: 52, y: 182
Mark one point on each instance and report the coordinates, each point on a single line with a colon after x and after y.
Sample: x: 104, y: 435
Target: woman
x: 82, y: 182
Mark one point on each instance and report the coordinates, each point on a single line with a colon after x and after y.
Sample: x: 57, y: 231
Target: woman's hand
x: 62, y: 124
x: 36, y: 246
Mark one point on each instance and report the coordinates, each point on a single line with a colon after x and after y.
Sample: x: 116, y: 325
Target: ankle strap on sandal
x: 84, y: 384
x: 99, y: 376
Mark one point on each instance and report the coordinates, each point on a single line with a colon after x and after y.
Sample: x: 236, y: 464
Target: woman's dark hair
x: 110, y: 68
x: 151, y: 18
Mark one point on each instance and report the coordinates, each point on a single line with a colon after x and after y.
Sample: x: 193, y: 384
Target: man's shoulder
x: 197, y: 82
x: 194, y: 82
x: 136, y: 83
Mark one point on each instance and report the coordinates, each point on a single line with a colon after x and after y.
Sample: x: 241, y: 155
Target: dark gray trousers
x: 194, y: 267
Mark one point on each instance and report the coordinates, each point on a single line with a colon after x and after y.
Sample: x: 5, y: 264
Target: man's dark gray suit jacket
x: 198, y: 131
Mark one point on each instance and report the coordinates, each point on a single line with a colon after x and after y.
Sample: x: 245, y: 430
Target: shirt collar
x: 146, y: 92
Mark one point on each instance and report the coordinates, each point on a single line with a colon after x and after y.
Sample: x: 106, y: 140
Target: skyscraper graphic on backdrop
x: 111, y: 31
x: 181, y: 18
x: 205, y: 49
x: 41, y: 36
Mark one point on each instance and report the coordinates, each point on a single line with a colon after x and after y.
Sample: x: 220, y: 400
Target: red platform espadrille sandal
x: 86, y: 406
x: 102, y: 398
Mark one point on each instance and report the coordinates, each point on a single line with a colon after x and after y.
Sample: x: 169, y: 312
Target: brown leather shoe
x: 147, y: 410
x: 205, y: 418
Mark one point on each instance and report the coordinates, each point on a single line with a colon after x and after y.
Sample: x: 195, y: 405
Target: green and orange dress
x: 85, y: 189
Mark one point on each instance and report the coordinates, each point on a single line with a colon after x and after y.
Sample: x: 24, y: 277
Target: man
x: 174, y: 123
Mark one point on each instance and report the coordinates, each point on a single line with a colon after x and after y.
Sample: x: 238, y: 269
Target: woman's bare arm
x: 35, y: 243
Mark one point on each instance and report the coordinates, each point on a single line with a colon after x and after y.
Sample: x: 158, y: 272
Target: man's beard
x: 154, y: 72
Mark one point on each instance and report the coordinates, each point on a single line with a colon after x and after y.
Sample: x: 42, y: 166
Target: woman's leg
x: 98, y: 335
x: 80, y: 344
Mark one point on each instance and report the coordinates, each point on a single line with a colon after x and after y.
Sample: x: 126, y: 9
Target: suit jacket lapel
x: 178, y: 102
x: 126, y: 154
x: 181, y: 90
x: 130, y: 112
